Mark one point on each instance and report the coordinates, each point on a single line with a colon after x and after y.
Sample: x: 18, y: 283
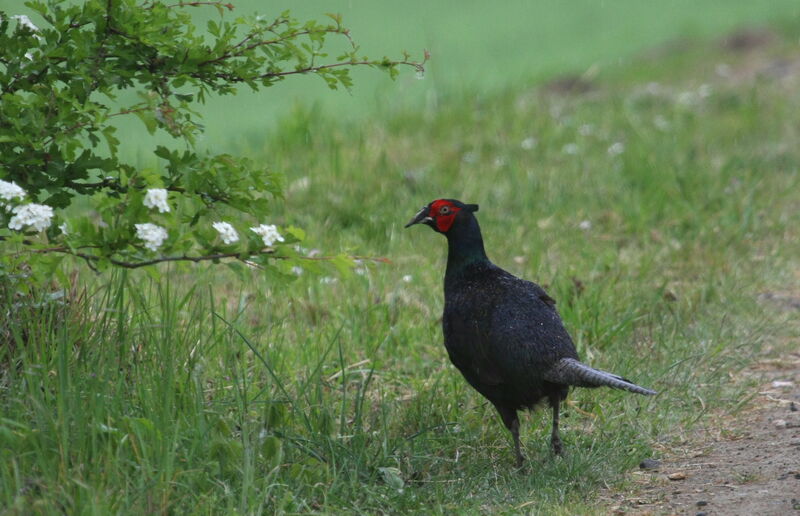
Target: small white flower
x: 297, y: 271
x: 570, y: 148
x: 407, y: 278
x: 616, y: 149
x: 227, y: 232
x: 704, y: 91
x: 585, y: 225
x: 25, y: 22
x: 528, y: 143
x: 327, y: 280
x: 420, y: 75
x: 152, y: 235
x: 63, y: 227
x: 37, y: 216
x: 10, y: 190
x: 268, y: 233
x: 156, y: 198
x: 586, y: 129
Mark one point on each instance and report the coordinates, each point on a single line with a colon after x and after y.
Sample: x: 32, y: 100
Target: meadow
x: 657, y: 200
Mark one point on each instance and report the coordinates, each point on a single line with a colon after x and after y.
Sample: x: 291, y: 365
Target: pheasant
x: 502, y: 332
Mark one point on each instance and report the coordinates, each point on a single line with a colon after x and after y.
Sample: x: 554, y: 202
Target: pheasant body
x: 504, y: 333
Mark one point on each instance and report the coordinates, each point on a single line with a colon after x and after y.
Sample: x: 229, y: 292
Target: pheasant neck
x: 464, y: 246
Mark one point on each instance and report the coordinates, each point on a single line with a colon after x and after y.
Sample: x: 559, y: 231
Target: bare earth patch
x: 749, y: 466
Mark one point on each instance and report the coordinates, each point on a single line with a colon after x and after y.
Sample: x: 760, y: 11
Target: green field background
x: 479, y: 46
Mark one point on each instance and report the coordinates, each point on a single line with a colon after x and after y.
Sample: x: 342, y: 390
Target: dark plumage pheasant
x: 504, y: 333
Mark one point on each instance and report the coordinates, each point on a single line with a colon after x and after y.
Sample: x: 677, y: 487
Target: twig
x: 197, y: 4
x: 84, y: 124
x: 314, y: 69
x: 187, y: 258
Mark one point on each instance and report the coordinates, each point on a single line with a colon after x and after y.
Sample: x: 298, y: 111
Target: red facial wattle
x: 444, y: 214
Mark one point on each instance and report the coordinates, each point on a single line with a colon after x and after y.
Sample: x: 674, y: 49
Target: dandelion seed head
x: 570, y: 148
x: 528, y: 143
x: 616, y: 149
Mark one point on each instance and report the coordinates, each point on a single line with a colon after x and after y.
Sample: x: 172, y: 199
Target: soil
x: 749, y: 466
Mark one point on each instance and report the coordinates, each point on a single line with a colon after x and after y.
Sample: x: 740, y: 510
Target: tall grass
x: 200, y: 394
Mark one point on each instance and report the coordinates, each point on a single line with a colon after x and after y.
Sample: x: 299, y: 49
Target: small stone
x: 701, y: 513
x: 680, y: 475
x: 780, y: 423
x: 780, y: 384
x: 650, y: 464
x: 702, y: 503
x: 792, y: 407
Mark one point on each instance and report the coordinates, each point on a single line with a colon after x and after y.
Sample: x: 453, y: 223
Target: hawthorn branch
x: 229, y: 6
x: 229, y: 53
x: 80, y: 125
x: 420, y: 67
x: 90, y: 259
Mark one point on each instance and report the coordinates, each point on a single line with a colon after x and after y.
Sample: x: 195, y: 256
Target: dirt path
x: 751, y: 467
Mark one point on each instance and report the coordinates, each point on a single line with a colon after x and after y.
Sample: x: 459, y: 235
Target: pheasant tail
x: 572, y: 372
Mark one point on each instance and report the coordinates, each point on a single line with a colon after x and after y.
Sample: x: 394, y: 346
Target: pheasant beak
x: 421, y: 216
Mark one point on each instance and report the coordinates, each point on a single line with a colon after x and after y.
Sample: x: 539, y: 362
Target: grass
x: 201, y: 394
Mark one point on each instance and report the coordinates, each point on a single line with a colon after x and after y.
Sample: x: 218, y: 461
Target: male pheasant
x: 504, y: 333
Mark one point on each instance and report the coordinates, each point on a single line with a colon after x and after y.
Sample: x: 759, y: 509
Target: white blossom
x: 408, y: 278
x: 25, y: 22
x: 585, y: 225
x: 586, y: 129
x: 10, y: 190
x: 297, y: 271
x: 36, y: 216
x: 616, y: 149
x: 268, y: 233
x: 528, y: 143
x: 152, y: 234
x: 157, y: 198
x: 227, y: 232
x: 63, y: 227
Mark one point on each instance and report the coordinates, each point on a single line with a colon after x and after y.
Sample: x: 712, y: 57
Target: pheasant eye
x: 444, y: 210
